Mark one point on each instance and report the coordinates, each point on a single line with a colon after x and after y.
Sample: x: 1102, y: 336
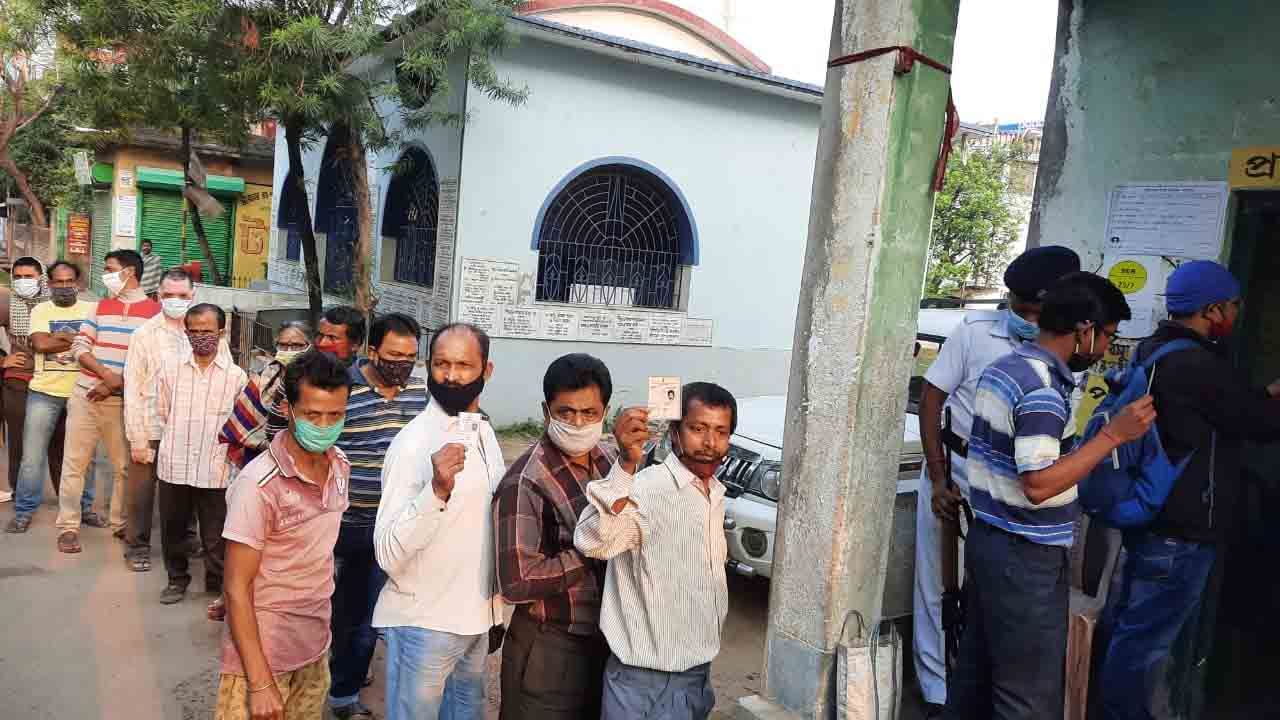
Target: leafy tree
x: 44, y: 150
x: 308, y: 63
x: 975, y: 219
x: 30, y: 90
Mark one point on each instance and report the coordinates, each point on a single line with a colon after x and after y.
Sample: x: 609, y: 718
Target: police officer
x: 983, y: 337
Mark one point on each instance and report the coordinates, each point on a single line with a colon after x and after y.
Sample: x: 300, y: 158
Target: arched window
x: 618, y: 235
x: 336, y: 212
x: 410, y: 218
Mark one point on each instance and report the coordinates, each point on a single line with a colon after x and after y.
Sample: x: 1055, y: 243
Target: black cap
x: 1032, y: 272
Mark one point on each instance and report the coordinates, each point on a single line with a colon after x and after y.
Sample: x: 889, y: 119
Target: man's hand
x: 143, y: 456
x: 113, y: 380
x: 632, y: 432
x: 16, y: 360
x: 266, y: 704
x: 99, y: 392
x: 446, y: 463
x: 1132, y: 422
x: 946, y: 502
x: 65, y: 335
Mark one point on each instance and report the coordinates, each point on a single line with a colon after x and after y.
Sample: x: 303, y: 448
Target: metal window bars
x: 416, y: 256
x: 611, y: 237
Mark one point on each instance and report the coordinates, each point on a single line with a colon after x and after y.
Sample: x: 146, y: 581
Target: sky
x: 1003, y: 54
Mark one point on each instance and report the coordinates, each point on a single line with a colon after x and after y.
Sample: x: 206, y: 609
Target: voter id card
x: 664, y: 398
x: 465, y: 429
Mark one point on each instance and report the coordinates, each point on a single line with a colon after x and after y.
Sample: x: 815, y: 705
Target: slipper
x: 69, y: 542
x: 217, y: 610
x: 139, y: 564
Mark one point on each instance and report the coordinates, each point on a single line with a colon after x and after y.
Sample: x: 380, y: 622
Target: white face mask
x: 175, y: 308
x: 114, y: 282
x: 26, y: 288
x: 572, y: 440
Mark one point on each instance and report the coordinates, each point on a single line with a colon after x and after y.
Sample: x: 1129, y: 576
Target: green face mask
x: 314, y: 438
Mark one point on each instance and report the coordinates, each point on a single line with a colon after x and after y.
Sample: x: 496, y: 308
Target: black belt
x: 954, y: 443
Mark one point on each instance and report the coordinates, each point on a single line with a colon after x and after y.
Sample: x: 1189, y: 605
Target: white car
x: 753, y: 474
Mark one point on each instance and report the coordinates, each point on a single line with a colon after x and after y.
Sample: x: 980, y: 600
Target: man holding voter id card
x: 662, y: 531
x: 434, y: 538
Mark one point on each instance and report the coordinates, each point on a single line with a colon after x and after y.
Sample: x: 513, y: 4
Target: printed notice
x: 560, y: 324
x: 505, y: 292
x: 697, y: 332
x: 1182, y: 220
x: 596, y: 325
x: 126, y: 214
x: 485, y: 317
x: 520, y: 322
x: 665, y: 329
x: 476, y: 279
x: 631, y: 328
x: 490, y: 281
x: 446, y: 237
x: 664, y: 398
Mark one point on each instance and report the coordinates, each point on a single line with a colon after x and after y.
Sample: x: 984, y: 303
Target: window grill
x: 412, y: 207
x: 340, y: 251
x: 612, y: 237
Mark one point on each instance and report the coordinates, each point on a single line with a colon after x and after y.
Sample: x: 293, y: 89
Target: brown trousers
x: 549, y: 674
x: 15, y: 419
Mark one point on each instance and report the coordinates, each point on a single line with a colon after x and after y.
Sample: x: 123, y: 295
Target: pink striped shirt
x: 106, y: 332
x: 192, y: 404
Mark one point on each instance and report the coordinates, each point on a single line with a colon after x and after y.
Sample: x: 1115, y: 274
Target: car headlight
x: 769, y: 482
x: 755, y: 542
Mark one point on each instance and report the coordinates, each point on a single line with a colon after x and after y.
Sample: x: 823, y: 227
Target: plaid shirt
x: 535, y: 513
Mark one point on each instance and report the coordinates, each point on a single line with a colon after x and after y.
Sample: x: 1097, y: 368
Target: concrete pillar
x: 855, y: 327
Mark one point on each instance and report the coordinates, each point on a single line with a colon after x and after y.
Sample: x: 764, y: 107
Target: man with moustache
x: 434, y: 538
x: 661, y: 530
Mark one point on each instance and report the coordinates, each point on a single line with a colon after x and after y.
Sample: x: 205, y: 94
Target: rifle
x: 953, y: 607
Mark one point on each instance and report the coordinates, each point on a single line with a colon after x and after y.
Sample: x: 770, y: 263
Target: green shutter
x: 101, y: 237
x: 162, y: 225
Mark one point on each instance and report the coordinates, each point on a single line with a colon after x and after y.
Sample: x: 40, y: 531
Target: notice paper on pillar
x: 1141, y: 279
x: 1178, y: 219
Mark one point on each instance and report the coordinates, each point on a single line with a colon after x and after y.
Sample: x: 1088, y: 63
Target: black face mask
x: 63, y: 297
x: 1079, y: 361
x: 394, y: 372
x: 455, y: 398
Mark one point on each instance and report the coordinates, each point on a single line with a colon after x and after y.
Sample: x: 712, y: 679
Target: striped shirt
x: 535, y: 512
x: 372, y: 423
x: 150, y: 344
x: 106, y: 332
x: 665, y: 596
x: 152, y: 270
x: 1022, y: 414
x: 191, y: 405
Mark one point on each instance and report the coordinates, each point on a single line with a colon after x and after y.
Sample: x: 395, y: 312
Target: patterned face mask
x: 203, y: 345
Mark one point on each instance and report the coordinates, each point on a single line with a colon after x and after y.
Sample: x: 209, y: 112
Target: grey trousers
x: 631, y: 693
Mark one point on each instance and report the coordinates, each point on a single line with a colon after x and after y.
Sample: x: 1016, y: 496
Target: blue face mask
x: 1021, y: 329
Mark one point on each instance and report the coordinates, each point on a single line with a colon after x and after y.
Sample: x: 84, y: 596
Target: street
x: 87, y: 638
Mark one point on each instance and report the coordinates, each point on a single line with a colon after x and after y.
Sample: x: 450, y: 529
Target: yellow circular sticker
x: 1129, y: 276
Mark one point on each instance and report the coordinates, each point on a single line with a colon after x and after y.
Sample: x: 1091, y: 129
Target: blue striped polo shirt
x: 372, y: 423
x: 1022, y: 413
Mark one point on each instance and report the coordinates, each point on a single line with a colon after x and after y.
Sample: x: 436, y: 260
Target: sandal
x: 217, y: 610
x: 139, y: 564
x: 69, y: 542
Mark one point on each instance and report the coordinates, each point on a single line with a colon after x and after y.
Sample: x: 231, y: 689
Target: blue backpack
x: 1128, y: 489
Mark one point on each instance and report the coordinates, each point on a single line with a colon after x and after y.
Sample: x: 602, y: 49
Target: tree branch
x: 44, y: 107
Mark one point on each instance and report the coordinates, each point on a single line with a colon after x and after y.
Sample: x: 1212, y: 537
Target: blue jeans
x: 1159, y: 592
x: 355, y: 593
x: 43, y: 414
x: 1013, y: 655
x: 435, y: 675
x: 635, y: 692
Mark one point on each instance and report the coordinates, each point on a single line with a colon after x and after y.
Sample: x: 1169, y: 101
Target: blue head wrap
x: 1197, y: 285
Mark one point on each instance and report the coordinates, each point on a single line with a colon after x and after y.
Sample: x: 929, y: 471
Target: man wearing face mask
x: 163, y: 336
x: 950, y: 383
x: 434, y: 539
x: 1207, y: 412
x: 341, y: 332
x: 28, y: 290
x: 556, y: 588
x: 385, y: 397
x: 195, y: 391
x: 283, y: 513
x: 662, y: 531
x: 53, y: 328
x: 1023, y: 477
x: 95, y: 411
x: 260, y: 410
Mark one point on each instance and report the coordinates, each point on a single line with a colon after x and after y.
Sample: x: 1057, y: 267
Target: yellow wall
x: 253, y: 223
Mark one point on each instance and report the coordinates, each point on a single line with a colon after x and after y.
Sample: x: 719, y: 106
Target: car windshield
x: 926, y: 352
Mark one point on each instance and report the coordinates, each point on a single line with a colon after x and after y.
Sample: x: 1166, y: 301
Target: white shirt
x: 981, y: 339
x: 665, y: 596
x: 438, y: 556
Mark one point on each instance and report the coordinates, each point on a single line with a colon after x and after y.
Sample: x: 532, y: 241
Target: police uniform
x: 980, y: 340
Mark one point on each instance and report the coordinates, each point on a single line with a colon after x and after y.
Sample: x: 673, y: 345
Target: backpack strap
x: 1168, y: 348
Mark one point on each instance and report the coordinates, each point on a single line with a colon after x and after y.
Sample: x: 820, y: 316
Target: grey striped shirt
x: 665, y: 597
